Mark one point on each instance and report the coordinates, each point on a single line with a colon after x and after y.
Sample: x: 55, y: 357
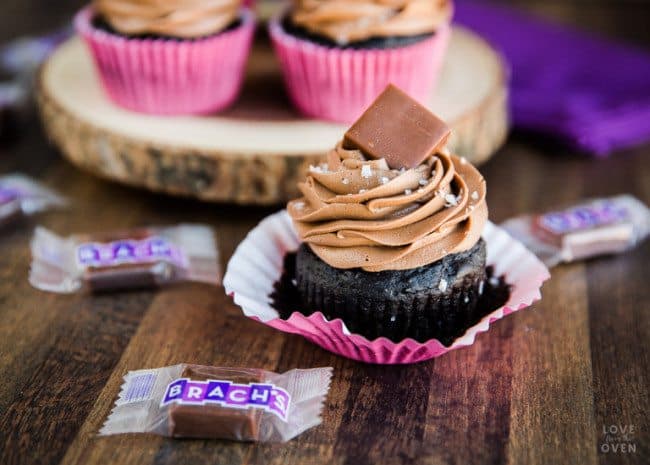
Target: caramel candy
x: 397, y: 128
x: 139, y: 258
x: 241, y: 404
x: 148, y: 273
x: 590, y: 228
x: 212, y: 420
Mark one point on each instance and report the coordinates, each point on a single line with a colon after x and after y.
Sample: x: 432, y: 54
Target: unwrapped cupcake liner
x: 339, y: 84
x: 262, y: 253
x: 170, y: 76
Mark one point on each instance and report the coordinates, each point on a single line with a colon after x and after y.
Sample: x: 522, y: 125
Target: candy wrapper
x: 19, y: 62
x: 22, y: 196
x: 591, y: 228
x: 262, y: 253
x: 147, y: 257
x: 241, y: 404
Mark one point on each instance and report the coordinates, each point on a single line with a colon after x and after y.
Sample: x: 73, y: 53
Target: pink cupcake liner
x: 339, y: 84
x: 261, y: 255
x: 166, y: 76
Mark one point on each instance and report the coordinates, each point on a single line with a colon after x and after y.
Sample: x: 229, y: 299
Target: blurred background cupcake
x: 338, y: 55
x: 169, y: 56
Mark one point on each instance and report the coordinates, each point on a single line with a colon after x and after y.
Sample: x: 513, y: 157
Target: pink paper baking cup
x: 261, y: 254
x: 167, y: 76
x: 339, y: 84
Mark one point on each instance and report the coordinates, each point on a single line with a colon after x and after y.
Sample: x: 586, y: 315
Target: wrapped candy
x: 22, y: 196
x: 240, y: 404
x: 147, y: 257
x: 591, y: 228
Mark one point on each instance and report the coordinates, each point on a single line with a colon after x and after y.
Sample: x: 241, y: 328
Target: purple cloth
x: 590, y: 92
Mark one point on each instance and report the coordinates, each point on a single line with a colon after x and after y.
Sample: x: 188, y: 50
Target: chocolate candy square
x: 397, y: 128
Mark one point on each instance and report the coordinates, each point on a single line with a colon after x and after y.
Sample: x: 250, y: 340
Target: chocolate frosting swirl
x: 174, y: 18
x: 345, y: 21
x: 358, y: 213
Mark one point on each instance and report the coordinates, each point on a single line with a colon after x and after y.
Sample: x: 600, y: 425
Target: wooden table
x: 539, y: 387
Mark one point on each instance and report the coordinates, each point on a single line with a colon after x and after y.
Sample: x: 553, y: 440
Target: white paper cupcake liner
x: 257, y: 265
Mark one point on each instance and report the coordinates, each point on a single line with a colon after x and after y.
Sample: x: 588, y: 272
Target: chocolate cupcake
x: 338, y: 55
x: 391, y: 228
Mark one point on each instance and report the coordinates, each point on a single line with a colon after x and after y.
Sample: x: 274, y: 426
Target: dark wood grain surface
x: 538, y: 388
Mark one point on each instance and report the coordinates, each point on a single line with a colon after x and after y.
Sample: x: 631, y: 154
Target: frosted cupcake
x: 337, y: 55
x: 391, y: 229
x: 169, y: 56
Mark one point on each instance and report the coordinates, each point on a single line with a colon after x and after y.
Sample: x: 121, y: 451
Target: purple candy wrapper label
x: 583, y: 217
x: 148, y: 250
x: 268, y: 397
x: 8, y: 195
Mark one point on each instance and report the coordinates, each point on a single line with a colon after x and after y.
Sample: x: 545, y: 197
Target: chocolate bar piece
x: 212, y: 420
x: 397, y: 128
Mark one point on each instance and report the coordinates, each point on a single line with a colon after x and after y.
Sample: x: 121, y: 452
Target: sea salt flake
x: 451, y: 200
x: 384, y: 180
x: 345, y: 181
x: 481, y: 285
x: 315, y: 169
x: 393, y: 318
x: 299, y: 205
x: 494, y: 281
x: 362, y: 191
x: 466, y: 299
x: 366, y: 171
x: 474, y: 195
x: 442, y: 285
x: 423, y: 182
x: 463, y: 160
x: 408, y: 191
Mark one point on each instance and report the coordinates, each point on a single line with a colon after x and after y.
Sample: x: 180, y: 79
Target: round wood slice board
x: 256, y: 151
